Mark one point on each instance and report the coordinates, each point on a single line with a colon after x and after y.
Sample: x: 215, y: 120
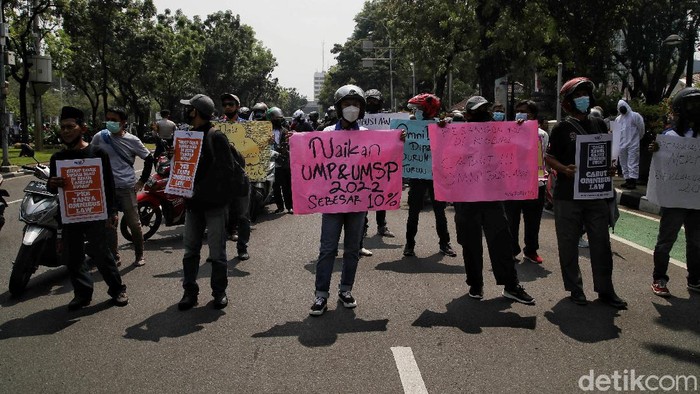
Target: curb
x: 635, y: 200
x: 8, y: 175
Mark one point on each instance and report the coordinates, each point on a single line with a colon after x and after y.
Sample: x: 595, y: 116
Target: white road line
x: 631, y: 212
x: 411, y: 378
x: 643, y: 249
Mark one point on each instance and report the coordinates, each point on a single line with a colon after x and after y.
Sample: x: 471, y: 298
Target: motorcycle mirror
x: 27, y: 150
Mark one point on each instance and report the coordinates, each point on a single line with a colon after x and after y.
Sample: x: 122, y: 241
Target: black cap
x: 201, y: 103
x: 72, y: 113
x: 230, y: 96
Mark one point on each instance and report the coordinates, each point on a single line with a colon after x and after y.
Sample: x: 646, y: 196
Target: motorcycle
x: 261, y: 191
x: 154, y: 204
x: 3, y: 203
x: 38, y: 210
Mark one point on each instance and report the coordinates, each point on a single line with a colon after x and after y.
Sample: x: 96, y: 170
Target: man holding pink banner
x: 343, y: 174
x: 477, y: 165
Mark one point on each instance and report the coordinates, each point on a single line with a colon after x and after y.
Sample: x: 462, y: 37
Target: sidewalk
x: 634, y: 199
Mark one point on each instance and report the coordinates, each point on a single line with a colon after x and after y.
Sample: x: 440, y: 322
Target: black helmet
x: 349, y: 92
x: 686, y: 102
x: 313, y: 115
x: 259, y: 110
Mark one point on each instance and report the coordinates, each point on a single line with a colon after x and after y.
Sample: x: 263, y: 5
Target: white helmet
x: 298, y: 114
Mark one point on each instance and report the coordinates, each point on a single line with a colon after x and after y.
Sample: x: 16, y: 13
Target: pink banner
x: 484, y: 161
x: 346, y: 171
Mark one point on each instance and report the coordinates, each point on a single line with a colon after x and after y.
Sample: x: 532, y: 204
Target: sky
x: 294, y: 30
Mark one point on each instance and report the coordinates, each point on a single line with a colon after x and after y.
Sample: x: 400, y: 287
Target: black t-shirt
x: 562, y: 146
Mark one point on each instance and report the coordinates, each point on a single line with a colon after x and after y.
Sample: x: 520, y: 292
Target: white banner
x: 615, y: 130
x: 381, y: 121
x: 674, y: 176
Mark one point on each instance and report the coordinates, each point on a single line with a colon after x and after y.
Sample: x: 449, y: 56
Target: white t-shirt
x: 166, y: 128
x: 130, y: 147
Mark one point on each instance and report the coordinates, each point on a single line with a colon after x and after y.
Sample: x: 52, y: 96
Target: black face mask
x: 623, y: 110
x: 481, y: 117
x: 186, y: 117
x: 373, y: 108
x: 277, y: 123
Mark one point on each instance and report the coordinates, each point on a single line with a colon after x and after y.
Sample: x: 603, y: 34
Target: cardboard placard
x: 187, y: 150
x: 82, y: 198
x: 674, y: 175
x: 593, y: 161
x: 252, y: 140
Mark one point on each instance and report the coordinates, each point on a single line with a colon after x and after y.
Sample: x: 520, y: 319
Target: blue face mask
x: 499, y: 116
x: 113, y: 127
x: 419, y: 114
x: 521, y: 116
x: 582, y: 103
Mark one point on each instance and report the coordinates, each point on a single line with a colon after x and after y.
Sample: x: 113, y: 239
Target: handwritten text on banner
x: 188, y: 148
x: 82, y: 198
x: 417, y: 159
x: 484, y: 161
x: 381, y: 121
x: 346, y: 171
x: 674, y: 176
x: 252, y: 140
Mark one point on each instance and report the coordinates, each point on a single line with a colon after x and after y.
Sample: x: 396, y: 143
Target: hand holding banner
x: 592, y: 180
x: 82, y: 198
x: 187, y: 150
x: 346, y: 171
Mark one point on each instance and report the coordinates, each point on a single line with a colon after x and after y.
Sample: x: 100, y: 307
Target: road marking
x: 411, y: 378
x: 643, y: 249
x: 631, y: 212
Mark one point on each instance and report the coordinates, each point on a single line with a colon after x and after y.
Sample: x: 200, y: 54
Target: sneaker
x: 578, y: 298
x: 582, y: 243
x: 408, y: 251
x: 365, y: 252
x: 290, y: 211
x: 243, y: 255
x: 694, y: 286
x: 140, y: 262
x: 121, y: 299
x: 659, y: 288
x: 117, y: 260
x: 319, y: 306
x: 613, y: 300
x: 233, y: 237
x: 447, y: 250
x: 518, y: 294
x: 347, y: 299
x: 476, y: 292
x: 78, y: 303
x: 385, y: 232
x: 534, y: 257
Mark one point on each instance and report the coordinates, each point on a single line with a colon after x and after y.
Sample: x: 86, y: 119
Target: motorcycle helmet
x: 426, y: 102
x: 259, y: 110
x: 298, y: 114
x: 244, y: 112
x: 274, y: 113
x: 349, y: 92
x: 313, y: 116
x: 567, y: 91
x: 686, y: 102
x: 373, y: 94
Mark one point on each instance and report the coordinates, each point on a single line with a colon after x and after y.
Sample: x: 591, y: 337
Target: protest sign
x: 82, y: 197
x: 381, y: 121
x: 417, y: 159
x: 592, y: 180
x: 252, y: 140
x: 541, y: 165
x: 615, y: 130
x: 674, y: 175
x: 484, y: 161
x: 187, y: 149
x: 346, y: 171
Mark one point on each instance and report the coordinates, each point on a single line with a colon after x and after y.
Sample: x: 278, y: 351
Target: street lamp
x: 391, y: 66
x: 413, y: 70
x: 675, y: 40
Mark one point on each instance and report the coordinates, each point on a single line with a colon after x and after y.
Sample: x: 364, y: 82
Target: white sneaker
x: 365, y: 252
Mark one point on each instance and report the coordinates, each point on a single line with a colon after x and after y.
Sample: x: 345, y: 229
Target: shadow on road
x: 471, y: 316
x: 423, y: 265
x: 679, y: 314
x: 172, y: 323
x: 48, y: 321
x: 205, y: 271
x: 324, y: 330
x: 530, y: 272
x: 592, y: 323
x: 674, y: 353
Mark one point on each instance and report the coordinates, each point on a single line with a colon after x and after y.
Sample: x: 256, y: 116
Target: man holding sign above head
x: 214, y: 178
x: 573, y: 211
x: 88, y: 208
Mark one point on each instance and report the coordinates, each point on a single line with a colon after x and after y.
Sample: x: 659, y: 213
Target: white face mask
x: 351, y: 113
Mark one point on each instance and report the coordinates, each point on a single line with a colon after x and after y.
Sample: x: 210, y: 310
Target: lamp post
x: 413, y: 71
x: 391, y: 60
x: 675, y: 40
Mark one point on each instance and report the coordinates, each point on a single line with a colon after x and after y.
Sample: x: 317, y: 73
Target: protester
x: 282, y: 186
x: 571, y: 215
x: 686, y: 113
x: 70, y: 243
x: 631, y: 127
x: 473, y: 219
x: 258, y: 111
x: 207, y: 209
x: 531, y: 209
x: 313, y: 119
x: 299, y: 122
x: 164, y: 130
x: 329, y: 119
x: 231, y: 105
x: 499, y: 112
x: 123, y: 149
x: 427, y: 107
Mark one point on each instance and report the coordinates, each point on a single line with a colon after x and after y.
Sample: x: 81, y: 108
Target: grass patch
x: 43, y: 156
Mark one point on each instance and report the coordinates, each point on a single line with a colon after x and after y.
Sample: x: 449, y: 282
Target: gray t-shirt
x: 166, y: 128
x: 129, y: 147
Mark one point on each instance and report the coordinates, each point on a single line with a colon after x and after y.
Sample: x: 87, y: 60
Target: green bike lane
x: 642, y: 231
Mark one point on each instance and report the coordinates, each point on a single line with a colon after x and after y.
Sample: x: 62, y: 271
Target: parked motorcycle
x: 154, y: 204
x: 3, y: 203
x: 38, y: 210
x: 262, y: 192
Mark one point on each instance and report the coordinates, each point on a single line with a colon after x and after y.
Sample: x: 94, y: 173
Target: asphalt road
x: 265, y: 341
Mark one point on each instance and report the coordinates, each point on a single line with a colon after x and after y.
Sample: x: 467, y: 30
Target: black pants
x: 488, y: 218
x: 416, y: 193
x: 73, y: 256
x: 283, y: 187
x: 532, y: 216
x: 239, y: 219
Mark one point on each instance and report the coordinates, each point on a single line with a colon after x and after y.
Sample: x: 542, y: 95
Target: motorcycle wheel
x: 22, y: 270
x: 150, y: 217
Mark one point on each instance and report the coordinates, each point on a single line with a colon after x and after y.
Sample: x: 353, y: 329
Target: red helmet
x: 428, y: 103
x: 574, y: 83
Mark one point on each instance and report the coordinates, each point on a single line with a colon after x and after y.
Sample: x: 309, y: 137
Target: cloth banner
x: 381, y: 121
x: 188, y: 148
x: 484, y: 161
x: 674, y: 176
x: 615, y: 130
x: 82, y: 197
x: 252, y: 140
x: 417, y: 159
x: 346, y: 171
x: 593, y: 161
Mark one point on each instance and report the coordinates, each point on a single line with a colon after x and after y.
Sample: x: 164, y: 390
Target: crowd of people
x: 219, y: 204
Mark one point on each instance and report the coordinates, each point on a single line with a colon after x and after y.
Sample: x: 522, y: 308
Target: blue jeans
x: 331, y: 226
x: 671, y: 221
x: 214, y: 221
